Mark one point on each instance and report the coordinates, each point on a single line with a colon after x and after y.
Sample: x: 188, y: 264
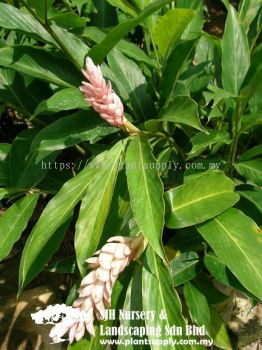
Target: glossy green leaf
x: 253, y: 195
x: 33, y: 164
x: 221, y: 273
x: 54, y: 215
x: 70, y: 130
x: 40, y: 6
x: 218, y: 330
x: 40, y: 63
x: 235, y: 53
x: 133, y: 301
x: 14, y: 19
x: 248, y: 11
x: 127, y: 48
x: 68, y: 20
x: 174, y: 66
x: 104, y: 15
x: 75, y: 46
x: 95, y: 206
x: 197, y: 305
x: 169, y: 28
x: 203, y: 314
x: 99, y: 52
x: 125, y: 6
x: 14, y: 93
x: 63, y: 100
x: 146, y: 191
x: 182, y: 110
x: 251, y: 170
x: 200, y: 199
x: 234, y: 232
x: 131, y: 82
x: 184, y: 267
x: 158, y: 290
x: 201, y: 140
x: 251, y: 153
x: 13, y: 222
x: 250, y: 121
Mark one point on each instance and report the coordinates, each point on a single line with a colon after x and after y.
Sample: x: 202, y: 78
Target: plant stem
x: 156, y: 54
x: 233, y: 146
x: 53, y: 35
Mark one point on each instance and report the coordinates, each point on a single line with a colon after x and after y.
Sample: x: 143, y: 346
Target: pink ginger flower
x: 96, y: 287
x: 101, y: 96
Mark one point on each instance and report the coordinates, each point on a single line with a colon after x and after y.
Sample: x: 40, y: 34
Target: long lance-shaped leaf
x: 14, y: 221
x: 95, y: 206
x: 40, y: 63
x: 146, y: 191
x: 235, y: 53
x: 99, y: 52
x: 158, y: 291
x: 55, y: 214
x: 236, y: 240
x: 14, y: 19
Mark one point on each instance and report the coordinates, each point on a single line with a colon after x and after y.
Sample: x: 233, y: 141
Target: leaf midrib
x: 240, y: 248
x: 175, y: 209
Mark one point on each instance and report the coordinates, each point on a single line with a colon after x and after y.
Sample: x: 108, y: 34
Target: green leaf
x: 203, y: 314
x: 99, y: 52
x: 75, y: 46
x: 182, y: 110
x: 14, y: 19
x: 184, y: 267
x: 54, y: 215
x: 133, y: 301
x: 14, y: 93
x: 248, y: 11
x: 201, y: 198
x: 219, y: 270
x: 174, y: 66
x: 40, y: 63
x: 251, y: 170
x: 30, y: 172
x: 235, y: 53
x: 63, y: 100
x: 250, y: 121
x: 40, y: 6
x: 13, y: 222
x: 68, y: 20
x: 131, y: 82
x: 218, y: 330
x: 158, y: 291
x: 146, y: 191
x: 125, y: 6
x: 70, y: 130
x: 104, y: 15
x: 33, y: 164
x: 201, y: 140
x: 4, y: 151
x: 127, y: 48
x: 251, y: 153
x: 169, y: 28
x: 197, y: 305
x: 253, y: 195
x: 9, y: 192
x: 95, y: 206
x: 65, y: 265
x: 234, y: 232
